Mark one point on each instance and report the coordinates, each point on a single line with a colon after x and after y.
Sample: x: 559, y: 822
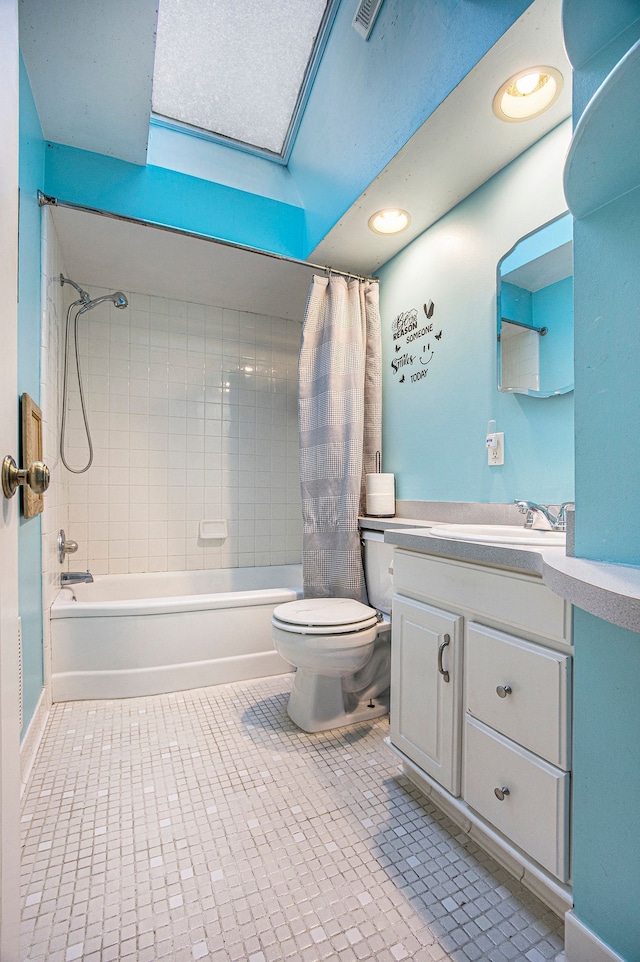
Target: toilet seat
x: 324, y: 616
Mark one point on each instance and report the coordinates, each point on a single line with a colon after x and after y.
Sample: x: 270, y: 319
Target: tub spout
x: 74, y: 577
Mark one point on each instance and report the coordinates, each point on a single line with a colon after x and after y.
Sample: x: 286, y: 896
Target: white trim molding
x: 583, y: 945
x: 32, y: 739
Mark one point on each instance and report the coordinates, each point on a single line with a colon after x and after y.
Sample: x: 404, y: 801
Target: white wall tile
x: 190, y: 409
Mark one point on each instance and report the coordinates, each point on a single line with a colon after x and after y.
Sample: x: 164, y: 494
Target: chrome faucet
x: 68, y: 578
x: 561, y: 520
x: 534, y: 512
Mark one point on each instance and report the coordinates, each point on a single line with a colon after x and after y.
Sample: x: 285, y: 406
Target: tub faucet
x: 68, y: 578
x: 535, y: 513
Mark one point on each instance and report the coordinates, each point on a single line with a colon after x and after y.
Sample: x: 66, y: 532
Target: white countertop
x: 609, y: 591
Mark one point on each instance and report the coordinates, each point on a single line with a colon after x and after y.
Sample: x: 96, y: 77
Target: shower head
x: 117, y: 298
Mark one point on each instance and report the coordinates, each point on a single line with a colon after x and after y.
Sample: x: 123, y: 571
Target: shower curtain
x: 340, y: 419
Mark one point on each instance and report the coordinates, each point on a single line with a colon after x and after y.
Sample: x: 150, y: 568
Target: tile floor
x: 204, y: 825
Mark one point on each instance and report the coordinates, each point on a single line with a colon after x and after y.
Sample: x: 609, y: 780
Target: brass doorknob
x: 36, y: 476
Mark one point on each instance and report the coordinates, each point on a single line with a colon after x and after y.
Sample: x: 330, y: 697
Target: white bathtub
x: 144, y: 634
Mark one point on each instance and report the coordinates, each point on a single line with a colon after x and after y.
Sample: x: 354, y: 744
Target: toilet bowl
x: 341, y: 650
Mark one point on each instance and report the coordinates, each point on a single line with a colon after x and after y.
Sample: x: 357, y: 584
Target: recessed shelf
x: 602, y: 163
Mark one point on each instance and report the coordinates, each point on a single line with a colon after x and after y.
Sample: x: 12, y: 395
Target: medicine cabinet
x: 535, y: 312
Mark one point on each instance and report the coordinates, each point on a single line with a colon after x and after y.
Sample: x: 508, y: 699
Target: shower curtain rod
x: 45, y: 200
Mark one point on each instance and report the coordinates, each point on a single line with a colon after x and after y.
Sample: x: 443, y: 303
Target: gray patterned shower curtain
x: 340, y: 418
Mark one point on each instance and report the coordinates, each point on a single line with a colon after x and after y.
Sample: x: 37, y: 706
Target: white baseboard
x: 32, y: 738
x: 583, y: 945
x: 555, y: 894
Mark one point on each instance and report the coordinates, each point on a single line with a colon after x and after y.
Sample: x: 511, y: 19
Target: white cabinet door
x: 426, y: 675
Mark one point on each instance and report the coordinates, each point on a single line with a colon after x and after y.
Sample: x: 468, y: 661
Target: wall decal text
x: 406, y: 329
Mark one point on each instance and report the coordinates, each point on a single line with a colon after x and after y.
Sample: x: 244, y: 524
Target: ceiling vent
x: 365, y: 16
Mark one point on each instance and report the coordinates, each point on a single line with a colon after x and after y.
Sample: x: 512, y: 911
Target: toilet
x: 341, y: 649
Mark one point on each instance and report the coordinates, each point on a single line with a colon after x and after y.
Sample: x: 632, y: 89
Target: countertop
x: 608, y: 591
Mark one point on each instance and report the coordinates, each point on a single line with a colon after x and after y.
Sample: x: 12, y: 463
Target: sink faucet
x: 68, y: 578
x: 539, y: 515
x: 561, y: 520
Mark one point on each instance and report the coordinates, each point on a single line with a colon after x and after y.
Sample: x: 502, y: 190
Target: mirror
x: 535, y: 312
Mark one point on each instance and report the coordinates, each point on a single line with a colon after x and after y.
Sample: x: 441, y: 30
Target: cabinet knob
x: 503, y: 690
x: 501, y: 793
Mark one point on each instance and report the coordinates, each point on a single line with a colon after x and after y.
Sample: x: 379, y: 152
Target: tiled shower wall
x: 193, y: 415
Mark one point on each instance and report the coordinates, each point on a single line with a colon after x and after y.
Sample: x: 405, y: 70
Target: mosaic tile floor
x: 204, y: 825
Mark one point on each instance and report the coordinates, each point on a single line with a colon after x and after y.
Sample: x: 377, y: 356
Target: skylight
x: 238, y: 68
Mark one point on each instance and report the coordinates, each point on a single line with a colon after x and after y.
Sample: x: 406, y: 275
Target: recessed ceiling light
x: 527, y: 94
x: 390, y: 221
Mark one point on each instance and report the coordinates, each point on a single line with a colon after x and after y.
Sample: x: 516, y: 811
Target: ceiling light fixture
x: 390, y: 221
x: 527, y: 94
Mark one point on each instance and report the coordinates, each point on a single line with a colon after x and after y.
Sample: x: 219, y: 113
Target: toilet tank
x: 378, y: 557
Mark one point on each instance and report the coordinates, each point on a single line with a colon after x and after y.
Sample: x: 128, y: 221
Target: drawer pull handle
x: 503, y: 690
x: 443, y: 671
x: 501, y: 793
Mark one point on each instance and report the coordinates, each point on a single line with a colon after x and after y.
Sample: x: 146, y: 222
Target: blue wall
x: 369, y: 98
x: 550, y: 307
x: 434, y: 427
x: 553, y: 309
x: 165, y: 197
x: 31, y: 177
x: 606, y: 782
x: 607, y: 304
x: 606, y: 786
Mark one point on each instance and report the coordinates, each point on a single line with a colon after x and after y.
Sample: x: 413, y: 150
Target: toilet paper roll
x: 381, y: 495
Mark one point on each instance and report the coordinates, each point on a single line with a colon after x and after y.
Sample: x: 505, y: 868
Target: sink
x: 498, y: 534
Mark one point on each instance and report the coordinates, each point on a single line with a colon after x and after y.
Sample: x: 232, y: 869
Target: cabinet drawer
x: 535, y: 812
x: 536, y: 711
x: 518, y: 601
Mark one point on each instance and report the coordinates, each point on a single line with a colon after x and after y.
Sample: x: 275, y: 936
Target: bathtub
x: 145, y: 634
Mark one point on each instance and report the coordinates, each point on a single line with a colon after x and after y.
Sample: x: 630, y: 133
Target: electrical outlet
x: 495, y: 455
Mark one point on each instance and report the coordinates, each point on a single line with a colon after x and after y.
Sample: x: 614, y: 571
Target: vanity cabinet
x: 481, y: 700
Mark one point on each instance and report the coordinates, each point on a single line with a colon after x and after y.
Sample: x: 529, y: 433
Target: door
x: 426, y: 677
x: 9, y: 715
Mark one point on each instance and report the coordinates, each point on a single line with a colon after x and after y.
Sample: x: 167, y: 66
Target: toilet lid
x: 333, y: 615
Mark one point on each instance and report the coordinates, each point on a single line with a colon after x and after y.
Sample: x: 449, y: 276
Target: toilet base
x: 317, y: 704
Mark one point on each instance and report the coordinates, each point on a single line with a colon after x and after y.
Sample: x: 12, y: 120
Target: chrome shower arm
x: 83, y: 294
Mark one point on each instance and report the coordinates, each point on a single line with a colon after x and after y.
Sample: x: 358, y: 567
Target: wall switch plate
x: 495, y: 455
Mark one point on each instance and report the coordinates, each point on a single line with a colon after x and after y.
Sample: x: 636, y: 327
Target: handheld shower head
x: 117, y: 298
